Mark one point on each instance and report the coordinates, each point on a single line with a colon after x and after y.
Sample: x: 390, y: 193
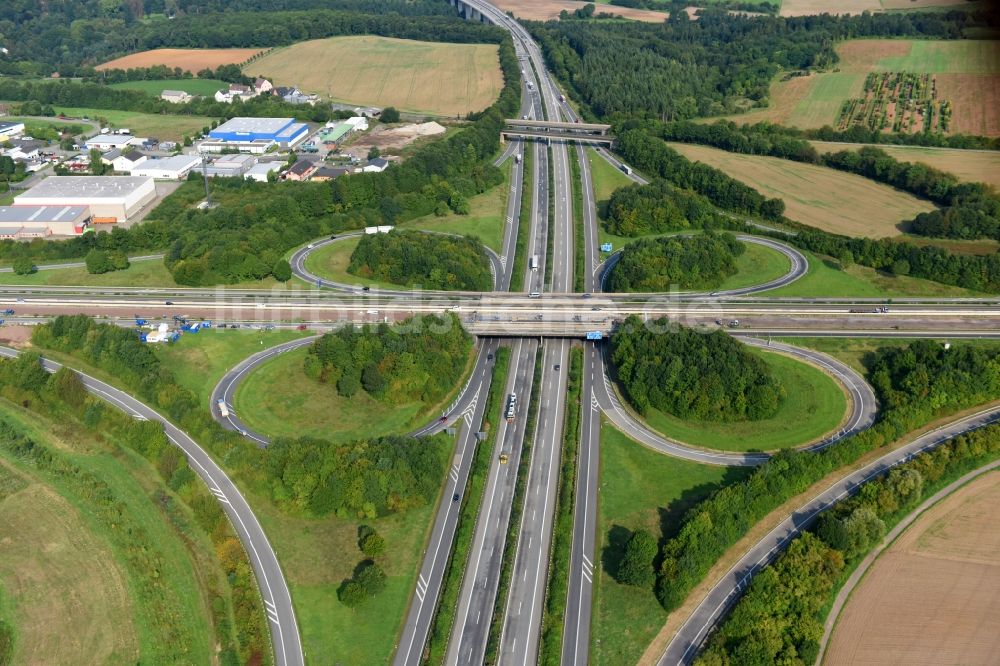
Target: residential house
x: 331, y: 173
x: 262, y: 86
x: 23, y: 149
x: 301, y: 170
x: 128, y: 161
x: 235, y: 91
x: 377, y: 165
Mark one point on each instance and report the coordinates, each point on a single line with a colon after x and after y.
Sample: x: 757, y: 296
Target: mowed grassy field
x: 420, y: 77
x: 818, y: 196
x: 161, y: 126
x: 639, y: 488
x: 971, y: 166
x: 814, y: 406
x: 191, y: 60
x: 279, y: 400
x: 967, y: 73
x: 74, y: 589
x: 205, y: 87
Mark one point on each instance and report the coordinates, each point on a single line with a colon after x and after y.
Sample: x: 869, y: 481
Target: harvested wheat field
x: 419, y: 77
x: 971, y: 166
x: 190, y: 60
x: 810, y: 7
x: 545, y: 10
x: 931, y: 597
x: 818, y: 196
x: 966, y: 73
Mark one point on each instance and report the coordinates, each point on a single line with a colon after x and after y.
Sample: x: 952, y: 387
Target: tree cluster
x: 367, y: 478
x: 683, y: 68
x: 100, y: 261
x: 419, y: 359
x: 369, y: 578
x: 764, y: 627
x: 968, y: 375
x: 636, y: 565
x: 692, y: 375
x: 434, y: 261
x: 697, y: 261
x: 639, y: 210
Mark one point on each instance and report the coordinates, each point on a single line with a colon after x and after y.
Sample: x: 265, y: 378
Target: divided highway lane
x: 683, y: 648
x: 467, y: 644
x: 270, y: 579
x: 80, y: 264
x: 424, y: 602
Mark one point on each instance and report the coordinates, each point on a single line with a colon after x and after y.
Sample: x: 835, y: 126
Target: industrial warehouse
x: 17, y: 222
x: 109, y: 198
x: 254, y: 135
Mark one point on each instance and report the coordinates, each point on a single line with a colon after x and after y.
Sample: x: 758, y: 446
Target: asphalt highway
x: 274, y: 591
x: 684, y: 646
x: 80, y: 264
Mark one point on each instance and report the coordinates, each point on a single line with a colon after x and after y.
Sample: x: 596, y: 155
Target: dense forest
x: 906, y: 382
x: 71, y: 36
x: 764, y: 628
x: 244, y: 237
x: 433, y: 261
x: 720, y: 63
x: 698, y: 261
x: 639, y: 210
x: 419, y: 359
x: 691, y: 374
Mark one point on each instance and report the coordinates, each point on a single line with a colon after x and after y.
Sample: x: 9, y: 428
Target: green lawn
x: 825, y: 278
x: 639, y: 488
x: 279, y: 400
x: 204, y: 87
x: 813, y: 406
x: 331, y: 261
x: 131, y: 480
x: 827, y: 95
x: 161, y: 126
x: 146, y: 273
x: 200, y: 360
x: 318, y: 555
x: 605, y: 179
x: 486, y: 219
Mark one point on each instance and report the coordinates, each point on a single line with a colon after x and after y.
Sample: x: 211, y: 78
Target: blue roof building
x: 283, y: 131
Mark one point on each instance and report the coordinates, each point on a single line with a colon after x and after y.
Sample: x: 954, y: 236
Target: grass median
x: 579, y: 233
x: 451, y: 585
x: 523, y: 221
x: 550, y: 648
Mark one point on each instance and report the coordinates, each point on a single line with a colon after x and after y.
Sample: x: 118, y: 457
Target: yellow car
x: 503, y: 458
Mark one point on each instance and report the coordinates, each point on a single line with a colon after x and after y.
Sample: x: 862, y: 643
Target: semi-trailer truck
x: 511, y: 407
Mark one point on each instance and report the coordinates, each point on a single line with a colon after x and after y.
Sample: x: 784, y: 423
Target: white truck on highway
x: 223, y: 410
x: 533, y: 262
x: 511, y: 407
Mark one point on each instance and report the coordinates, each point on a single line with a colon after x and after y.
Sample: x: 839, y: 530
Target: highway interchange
x: 549, y: 324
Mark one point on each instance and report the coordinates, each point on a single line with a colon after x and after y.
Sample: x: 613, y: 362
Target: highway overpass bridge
x: 594, y: 133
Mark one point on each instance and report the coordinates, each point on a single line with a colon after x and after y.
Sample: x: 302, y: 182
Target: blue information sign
x: 606, y: 247
x: 594, y: 335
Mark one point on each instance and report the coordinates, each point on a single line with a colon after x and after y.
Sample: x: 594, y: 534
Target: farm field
x: 814, y: 405
x: 191, y: 60
x: 809, y: 7
x: 818, y: 196
x: 930, y: 598
x: 972, y: 166
x: 76, y: 584
x: 204, y: 87
x: 161, y: 126
x: 544, y: 10
x: 419, y: 77
x: 639, y: 488
x: 967, y: 73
